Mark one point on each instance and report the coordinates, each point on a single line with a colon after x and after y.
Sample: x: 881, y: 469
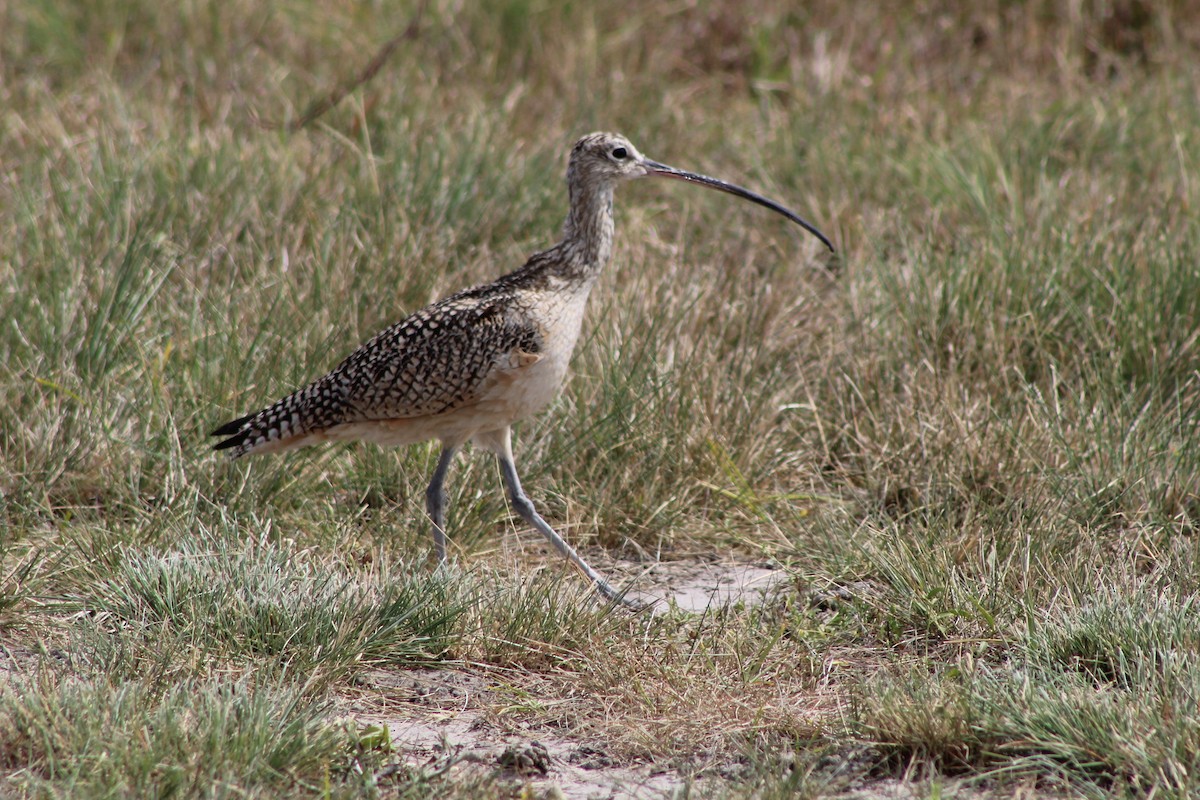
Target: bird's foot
x: 623, y: 598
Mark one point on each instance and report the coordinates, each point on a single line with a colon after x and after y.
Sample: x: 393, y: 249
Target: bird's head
x: 606, y: 158
x: 600, y: 160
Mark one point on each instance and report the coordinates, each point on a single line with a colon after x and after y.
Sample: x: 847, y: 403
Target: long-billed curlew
x: 468, y: 367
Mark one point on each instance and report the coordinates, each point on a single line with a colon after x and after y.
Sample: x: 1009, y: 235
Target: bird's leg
x: 435, y: 501
x: 502, y: 446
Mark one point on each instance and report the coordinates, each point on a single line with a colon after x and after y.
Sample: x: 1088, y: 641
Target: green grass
x: 193, y: 737
x: 978, y: 435
x: 1099, y: 699
x: 263, y: 604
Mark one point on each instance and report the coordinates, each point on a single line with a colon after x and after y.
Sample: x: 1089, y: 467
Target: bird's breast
x: 526, y: 382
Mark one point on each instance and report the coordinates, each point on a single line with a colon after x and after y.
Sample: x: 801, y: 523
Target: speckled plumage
x: 449, y: 356
x: 469, y: 366
x: 438, y: 361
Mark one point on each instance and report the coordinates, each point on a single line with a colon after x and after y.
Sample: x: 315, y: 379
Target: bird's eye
x: 619, y: 153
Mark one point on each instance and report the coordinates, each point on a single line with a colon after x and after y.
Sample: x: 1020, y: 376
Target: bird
x: 470, y: 366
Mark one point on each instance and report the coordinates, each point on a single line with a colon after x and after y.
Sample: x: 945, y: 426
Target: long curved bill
x: 664, y: 171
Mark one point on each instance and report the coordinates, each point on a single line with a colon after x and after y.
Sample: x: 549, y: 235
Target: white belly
x: 529, y: 382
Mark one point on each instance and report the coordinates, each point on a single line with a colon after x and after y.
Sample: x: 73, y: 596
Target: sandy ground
x: 697, y: 587
x: 446, y: 724
x: 437, y: 717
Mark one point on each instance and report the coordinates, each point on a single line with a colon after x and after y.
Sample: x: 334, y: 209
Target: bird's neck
x: 587, y: 239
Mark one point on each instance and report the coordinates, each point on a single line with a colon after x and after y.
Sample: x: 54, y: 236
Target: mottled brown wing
x: 431, y: 362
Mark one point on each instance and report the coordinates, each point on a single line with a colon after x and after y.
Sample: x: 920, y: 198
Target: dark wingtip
x: 232, y: 427
x: 231, y: 442
x: 234, y: 430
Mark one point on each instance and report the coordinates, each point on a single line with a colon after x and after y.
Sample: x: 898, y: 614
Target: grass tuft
x: 95, y: 738
x: 225, y: 606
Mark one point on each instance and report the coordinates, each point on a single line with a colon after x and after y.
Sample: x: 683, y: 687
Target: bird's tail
x: 280, y: 426
x: 238, y: 431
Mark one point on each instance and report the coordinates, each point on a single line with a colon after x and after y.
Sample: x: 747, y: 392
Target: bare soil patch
x: 697, y: 587
x: 454, y: 718
x: 450, y: 721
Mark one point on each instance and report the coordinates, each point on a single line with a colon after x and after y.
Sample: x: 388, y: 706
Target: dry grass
x: 979, y: 436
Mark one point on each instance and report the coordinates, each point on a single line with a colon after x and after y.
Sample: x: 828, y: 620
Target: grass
x: 977, y: 435
x: 194, y: 737
x: 1098, y: 699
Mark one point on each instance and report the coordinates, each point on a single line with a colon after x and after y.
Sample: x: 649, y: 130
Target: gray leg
x: 435, y: 501
x: 525, y: 508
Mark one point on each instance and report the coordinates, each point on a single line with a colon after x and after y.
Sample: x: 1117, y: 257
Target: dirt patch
x: 439, y: 720
x: 448, y: 718
x: 699, y: 587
